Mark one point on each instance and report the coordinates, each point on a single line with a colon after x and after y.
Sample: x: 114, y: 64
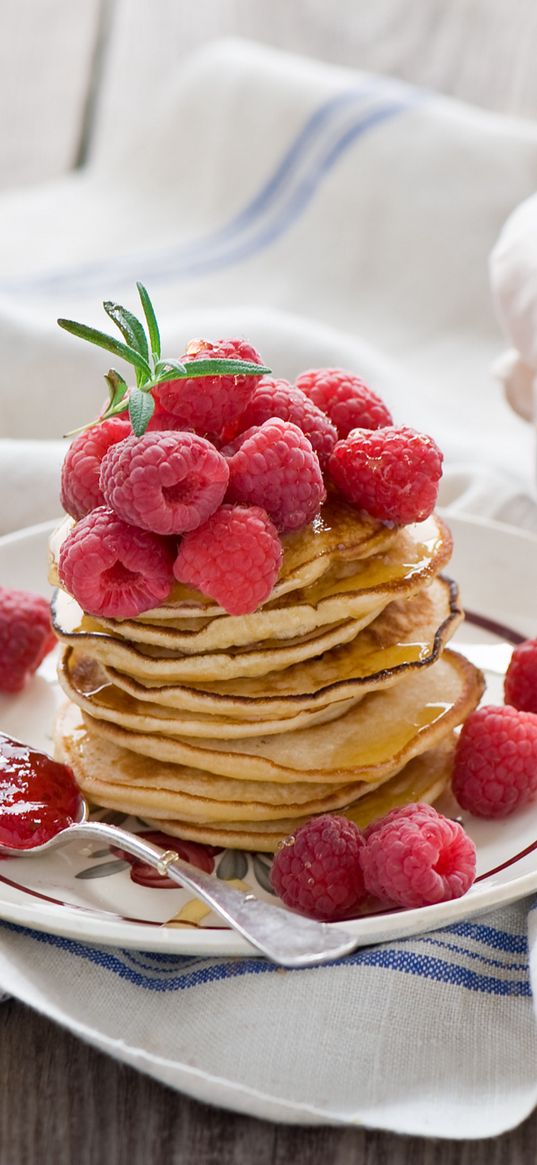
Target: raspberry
x: 277, y: 398
x: 164, y: 482
x: 520, y: 687
x: 495, y: 767
x: 208, y: 403
x: 235, y: 558
x: 113, y: 569
x: 26, y: 636
x: 316, y: 870
x: 161, y: 421
x: 80, y: 489
x: 344, y: 398
x: 276, y: 468
x: 414, y: 857
x: 392, y: 474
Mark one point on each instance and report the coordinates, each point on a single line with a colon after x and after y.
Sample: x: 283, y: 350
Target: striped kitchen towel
x: 433, y: 1035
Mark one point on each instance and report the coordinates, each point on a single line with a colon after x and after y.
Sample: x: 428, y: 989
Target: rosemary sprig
x: 142, y: 350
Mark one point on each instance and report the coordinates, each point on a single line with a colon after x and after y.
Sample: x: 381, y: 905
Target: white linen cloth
x: 333, y: 218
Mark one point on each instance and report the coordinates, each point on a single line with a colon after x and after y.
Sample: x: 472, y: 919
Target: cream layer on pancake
x: 407, y: 634
x: 370, y: 742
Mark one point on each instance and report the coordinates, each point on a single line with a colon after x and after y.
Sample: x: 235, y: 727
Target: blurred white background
x: 73, y: 76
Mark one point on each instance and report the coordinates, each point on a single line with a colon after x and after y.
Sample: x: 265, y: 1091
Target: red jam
x: 38, y: 796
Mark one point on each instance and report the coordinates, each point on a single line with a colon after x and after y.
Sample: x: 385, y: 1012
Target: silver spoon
x: 286, y: 938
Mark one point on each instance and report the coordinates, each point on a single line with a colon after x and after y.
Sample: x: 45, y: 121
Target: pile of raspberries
x: 227, y: 465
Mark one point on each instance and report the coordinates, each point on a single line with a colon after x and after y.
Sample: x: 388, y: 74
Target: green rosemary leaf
x: 141, y: 407
x: 152, y: 326
x: 224, y: 368
x: 94, y: 336
x: 164, y: 367
x: 131, y: 329
x: 117, y: 388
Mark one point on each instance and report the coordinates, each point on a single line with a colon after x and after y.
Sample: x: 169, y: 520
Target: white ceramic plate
x: 87, y: 893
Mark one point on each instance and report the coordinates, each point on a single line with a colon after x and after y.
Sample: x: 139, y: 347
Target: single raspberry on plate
x: 164, y: 482
x: 316, y: 871
x: 495, y: 768
x: 277, y: 469
x: 344, y: 398
x: 234, y: 558
x: 277, y: 398
x: 520, y: 686
x: 26, y: 636
x: 80, y: 489
x: 414, y: 857
x: 390, y: 473
x: 114, y: 569
x: 208, y: 403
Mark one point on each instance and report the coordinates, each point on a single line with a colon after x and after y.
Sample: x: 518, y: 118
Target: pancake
x: 109, y: 774
x: 207, y: 807
x: 337, y: 694
x: 107, y: 702
x: 413, y: 558
x: 163, y: 666
x: 338, y: 533
x: 422, y: 779
x: 406, y: 635
x: 370, y: 742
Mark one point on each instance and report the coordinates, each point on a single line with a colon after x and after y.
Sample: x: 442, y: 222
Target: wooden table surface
x: 70, y: 75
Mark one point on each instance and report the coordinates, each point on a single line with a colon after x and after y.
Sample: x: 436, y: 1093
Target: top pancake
x: 343, y: 592
x: 287, y: 630
x: 338, y: 533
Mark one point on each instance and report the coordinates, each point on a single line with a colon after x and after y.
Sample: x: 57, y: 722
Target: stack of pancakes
x: 335, y: 695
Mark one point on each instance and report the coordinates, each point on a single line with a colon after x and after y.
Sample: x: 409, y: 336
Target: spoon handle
x: 288, y: 939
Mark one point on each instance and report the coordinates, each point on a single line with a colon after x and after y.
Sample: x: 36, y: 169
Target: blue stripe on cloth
x: 202, y: 256
x: 290, y: 212
x: 502, y: 940
x: 468, y: 954
x: 294, y: 154
x: 207, y: 971
x: 166, y: 965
